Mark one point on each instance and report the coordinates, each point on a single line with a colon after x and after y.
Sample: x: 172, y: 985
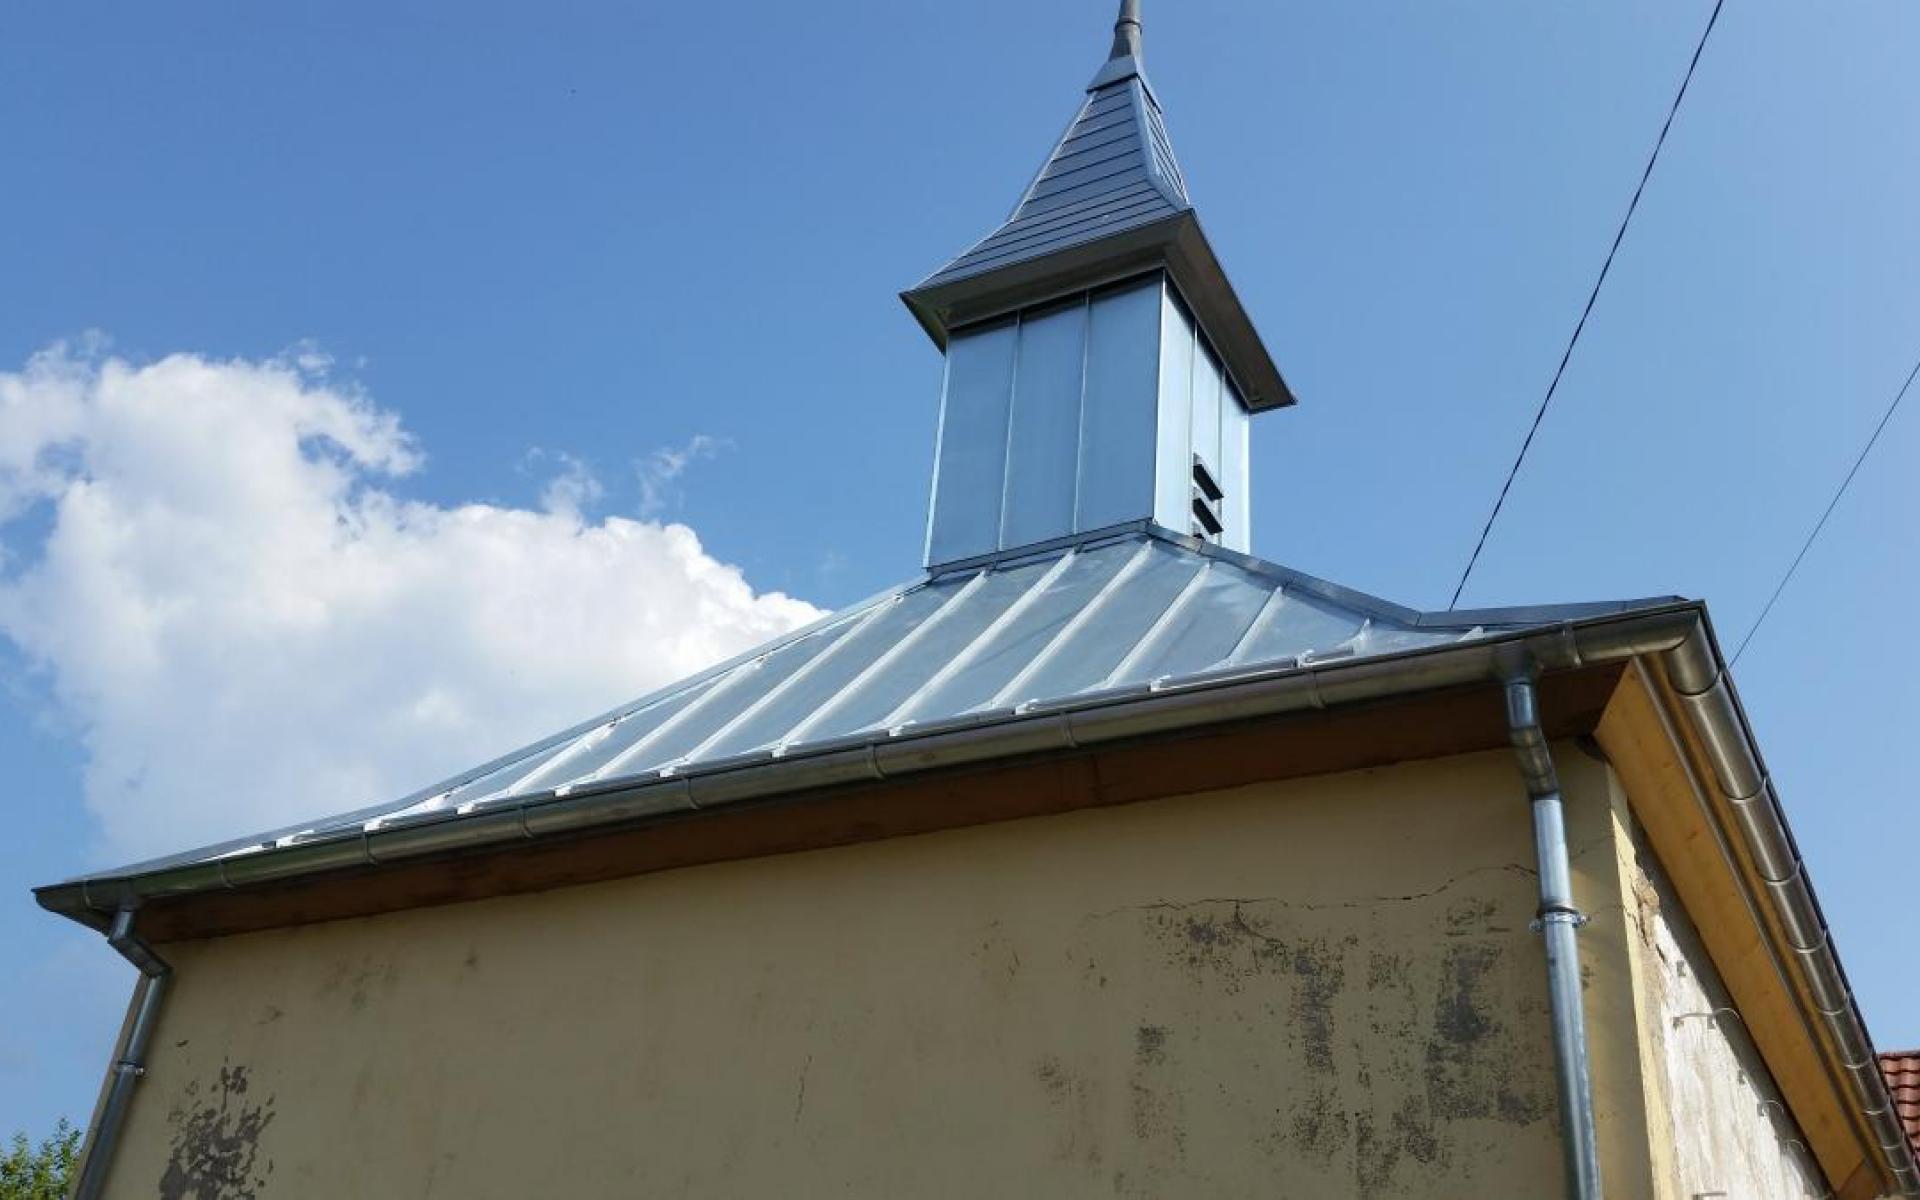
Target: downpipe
x: 1558, y: 923
x: 132, y: 1063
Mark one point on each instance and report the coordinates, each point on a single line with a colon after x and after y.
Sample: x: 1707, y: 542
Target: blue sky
x: 659, y: 247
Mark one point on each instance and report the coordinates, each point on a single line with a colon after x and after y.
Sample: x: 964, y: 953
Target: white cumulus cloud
x: 247, y: 625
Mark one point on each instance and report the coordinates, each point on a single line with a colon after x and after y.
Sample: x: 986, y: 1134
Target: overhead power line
x: 1831, y: 505
x: 1619, y: 235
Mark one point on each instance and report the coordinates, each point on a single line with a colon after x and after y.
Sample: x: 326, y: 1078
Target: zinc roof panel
x: 1099, y: 644
x: 993, y: 661
x: 1301, y: 625
x: 974, y: 610
x: 731, y: 697
x: 833, y: 674
x: 1206, y: 630
x: 631, y: 732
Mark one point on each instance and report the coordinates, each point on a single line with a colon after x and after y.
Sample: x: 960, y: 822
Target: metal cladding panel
x: 1097, y: 168
x: 1092, y: 138
x: 880, y: 684
x: 1117, y: 416
x: 1119, y: 610
x: 1173, y: 486
x: 1201, y: 416
x: 1050, y: 421
x: 715, y: 713
x: 830, y: 674
x: 1113, y: 170
x: 1206, y: 628
x: 1207, y: 395
x: 1161, y: 145
x: 885, y: 698
x: 1068, y: 222
x: 1040, y: 224
x: 492, y: 784
x: 1303, y: 624
x: 1235, y: 432
x: 1043, y: 443
x: 970, y: 465
x: 997, y: 658
x: 631, y: 738
x: 1110, y: 632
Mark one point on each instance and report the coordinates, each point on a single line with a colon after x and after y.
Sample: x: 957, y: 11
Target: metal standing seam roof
x: 974, y: 644
x: 1113, y: 170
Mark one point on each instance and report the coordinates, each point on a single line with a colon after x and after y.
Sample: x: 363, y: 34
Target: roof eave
x: 1699, y: 681
x: 1176, y: 244
x: 1151, y: 709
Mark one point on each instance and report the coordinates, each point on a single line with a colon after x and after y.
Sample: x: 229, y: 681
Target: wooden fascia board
x: 1383, y: 733
x: 1664, y: 771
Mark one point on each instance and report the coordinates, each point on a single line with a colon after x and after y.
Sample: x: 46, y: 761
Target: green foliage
x: 43, y: 1172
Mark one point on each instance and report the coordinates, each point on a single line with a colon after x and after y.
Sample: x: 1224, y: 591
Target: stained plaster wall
x: 1724, y: 1128
x: 1322, y: 988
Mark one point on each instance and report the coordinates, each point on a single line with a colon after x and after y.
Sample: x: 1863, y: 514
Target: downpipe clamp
x: 1558, y: 915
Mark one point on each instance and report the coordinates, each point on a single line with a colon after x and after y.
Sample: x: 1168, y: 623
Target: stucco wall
x: 1728, y: 1132
x: 1317, y: 989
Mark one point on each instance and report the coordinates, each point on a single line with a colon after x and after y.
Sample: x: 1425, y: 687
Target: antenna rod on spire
x: 1126, y: 31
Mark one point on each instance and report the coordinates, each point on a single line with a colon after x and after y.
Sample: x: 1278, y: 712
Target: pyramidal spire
x: 1112, y: 171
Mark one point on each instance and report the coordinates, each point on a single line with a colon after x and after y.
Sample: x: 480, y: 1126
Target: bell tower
x: 1101, y: 372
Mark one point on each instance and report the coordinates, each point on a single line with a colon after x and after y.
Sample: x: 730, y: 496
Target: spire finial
x: 1126, y: 31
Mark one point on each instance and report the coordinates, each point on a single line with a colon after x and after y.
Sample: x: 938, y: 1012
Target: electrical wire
x: 1619, y: 235
x: 1822, y: 522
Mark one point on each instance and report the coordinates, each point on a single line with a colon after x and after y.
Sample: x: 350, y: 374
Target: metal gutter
x: 132, y: 1063
x: 1699, y: 679
x: 1558, y: 923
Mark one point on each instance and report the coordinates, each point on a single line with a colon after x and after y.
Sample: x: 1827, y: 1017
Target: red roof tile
x: 1902, y: 1069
